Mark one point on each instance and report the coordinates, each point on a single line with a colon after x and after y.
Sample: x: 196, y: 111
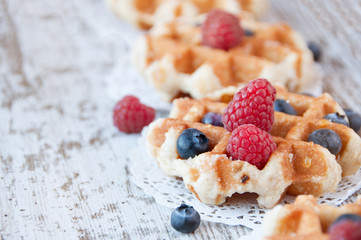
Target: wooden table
x: 63, y: 169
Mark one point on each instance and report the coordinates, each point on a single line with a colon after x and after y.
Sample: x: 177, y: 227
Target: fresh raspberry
x: 221, y: 30
x: 253, y: 104
x: 347, y: 230
x: 251, y: 144
x: 130, y: 116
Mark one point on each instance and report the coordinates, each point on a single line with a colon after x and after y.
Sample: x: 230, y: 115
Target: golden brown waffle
x: 296, y: 166
x: 173, y: 60
x: 311, y: 111
x: 213, y: 176
x: 304, y: 219
x: 146, y: 13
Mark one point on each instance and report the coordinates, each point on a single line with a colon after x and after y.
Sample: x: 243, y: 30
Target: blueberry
x: 192, y: 142
x: 281, y: 105
x: 354, y: 119
x: 315, y: 49
x: 185, y: 219
x: 213, y: 118
x: 326, y: 138
x: 248, y: 33
x: 337, y: 118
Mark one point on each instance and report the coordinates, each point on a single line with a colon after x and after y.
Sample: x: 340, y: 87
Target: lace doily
x: 238, y: 210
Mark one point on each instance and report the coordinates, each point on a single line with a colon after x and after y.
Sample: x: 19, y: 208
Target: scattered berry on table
x: 346, y: 227
x: 251, y: 144
x: 253, y: 104
x: 213, y: 118
x: 326, y: 138
x: 185, y: 219
x: 315, y: 49
x: 221, y: 30
x: 130, y: 115
x: 337, y: 118
x: 281, y: 105
x: 354, y: 118
x: 192, y: 142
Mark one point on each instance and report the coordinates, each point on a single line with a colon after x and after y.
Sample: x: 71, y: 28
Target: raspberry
x: 251, y: 144
x: 253, y: 104
x: 346, y: 230
x: 130, y: 116
x: 221, y: 30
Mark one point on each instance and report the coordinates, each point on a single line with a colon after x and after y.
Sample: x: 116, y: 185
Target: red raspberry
x: 221, y: 30
x: 251, y: 144
x: 253, y: 104
x: 348, y: 230
x: 130, y: 116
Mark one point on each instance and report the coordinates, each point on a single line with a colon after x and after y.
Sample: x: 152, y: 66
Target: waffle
x: 305, y: 219
x: 173, y: 60
x: 310, y: 110
x: 301, y: 167
x: 145, y: 13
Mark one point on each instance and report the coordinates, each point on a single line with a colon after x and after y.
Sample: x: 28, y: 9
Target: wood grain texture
x: 63, y: 166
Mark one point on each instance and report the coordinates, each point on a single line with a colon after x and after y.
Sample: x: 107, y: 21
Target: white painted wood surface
x: 63, y: 166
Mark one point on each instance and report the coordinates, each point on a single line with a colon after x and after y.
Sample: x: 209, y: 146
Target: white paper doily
x: 238, y: 210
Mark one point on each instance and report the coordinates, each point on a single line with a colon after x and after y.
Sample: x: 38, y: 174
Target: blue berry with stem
x: 185, y: 219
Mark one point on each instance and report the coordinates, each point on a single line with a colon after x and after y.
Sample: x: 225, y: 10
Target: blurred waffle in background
x: 144, y: 14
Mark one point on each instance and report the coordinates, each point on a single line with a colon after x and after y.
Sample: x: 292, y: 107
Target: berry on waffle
x: 295, y: 167
x: 251, y: 144
x: 146, y: 13
x: 221, y: 30
x: 212, y: 176
x: 172, y: 58
x: 305, y: 219
x: 252, y: 104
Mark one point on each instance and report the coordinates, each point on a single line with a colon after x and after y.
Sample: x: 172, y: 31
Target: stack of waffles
x: 172, y: 58
x: 296, y: 166
x: 145, y: 13
x: 304, y: 219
